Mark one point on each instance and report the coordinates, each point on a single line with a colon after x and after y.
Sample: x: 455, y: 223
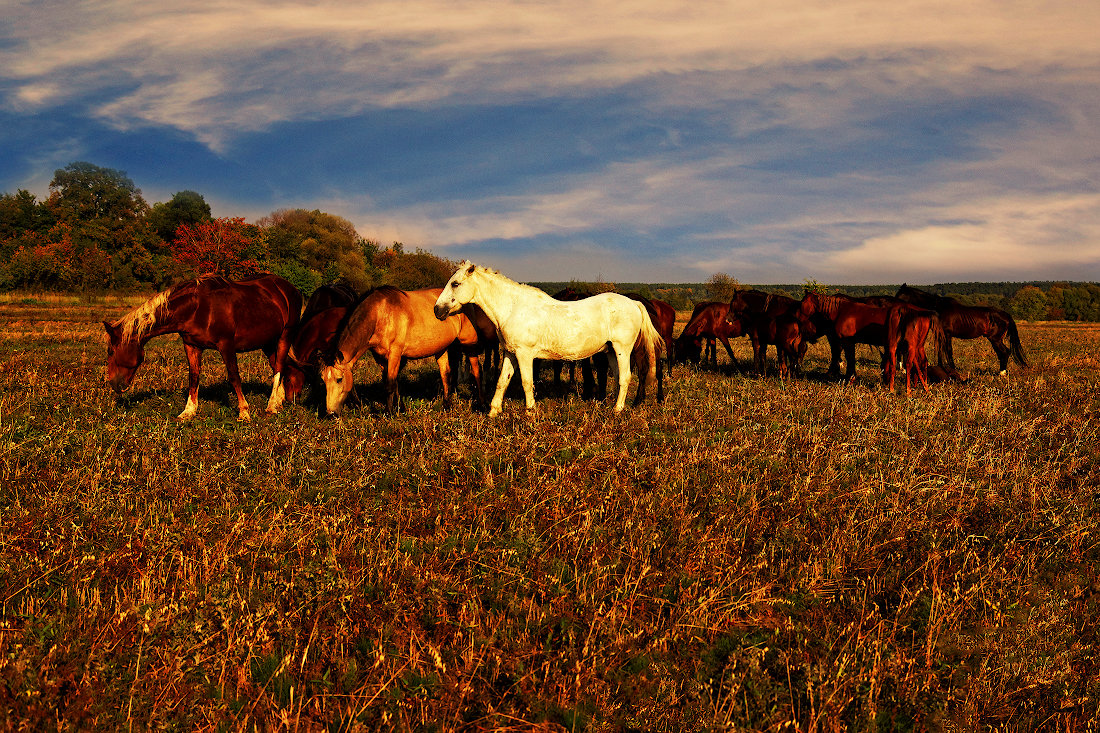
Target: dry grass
x: 751, y: 555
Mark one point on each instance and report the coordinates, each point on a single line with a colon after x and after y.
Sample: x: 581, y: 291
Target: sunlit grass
x: 752, y: 554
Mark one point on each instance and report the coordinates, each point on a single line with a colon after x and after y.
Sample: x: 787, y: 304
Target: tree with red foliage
x: 228, y: 247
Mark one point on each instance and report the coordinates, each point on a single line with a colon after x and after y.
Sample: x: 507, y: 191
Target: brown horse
x: 706, y: 326
x: 970, y: 322
x: 210, y: 313
x: 316, y: 335
x: 394, y: 326
x: 663, y: 316
x: 849, y: 321
x: 771, y: 319
x: 908, y: 327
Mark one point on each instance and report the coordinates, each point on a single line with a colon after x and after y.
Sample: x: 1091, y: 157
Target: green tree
x: 315, y: 245
x: 105, y: 217
x: 21, y: 212
x: 1028, y: 304
x: 185, y: 207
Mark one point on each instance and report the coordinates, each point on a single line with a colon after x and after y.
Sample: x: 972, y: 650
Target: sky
x: 841, y: 141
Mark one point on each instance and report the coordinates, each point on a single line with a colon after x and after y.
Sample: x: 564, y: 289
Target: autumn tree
x: 418, y: 270
x: 105, y: 219
x: 721, y: 287
x: 228, y: 247
x: 310, y: 248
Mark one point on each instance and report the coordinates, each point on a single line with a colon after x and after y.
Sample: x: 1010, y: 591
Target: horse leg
x: 1003, y: 352
x: 277, y: 360
x: 622, y: 371
x: 729, y: 350
x: 443, y: 361
x: 194, y: 367
x: 850, y: 361
x: 389, y: 381
x: 527, y: 378
x: 948, y: 352
x: 230, y: 358
x: 475, y: 374
x: 507, y: 367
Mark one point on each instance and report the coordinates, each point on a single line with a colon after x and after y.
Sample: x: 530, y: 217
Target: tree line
x: 95, y: 233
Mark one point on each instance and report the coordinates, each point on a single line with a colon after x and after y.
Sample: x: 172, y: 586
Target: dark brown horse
x: 771, y: 319
x: 663, y: 316
x: 210, y: 313
x: 333, y: 295
x: 706, y: 326
x: 849, y: 321
x: 907, y: 330
x: 316, y: 335
x: 394, y: 326
x: 970, y: 322
x: 488, y: 345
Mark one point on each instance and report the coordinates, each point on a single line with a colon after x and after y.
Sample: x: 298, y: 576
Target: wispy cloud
x: 829, y: 140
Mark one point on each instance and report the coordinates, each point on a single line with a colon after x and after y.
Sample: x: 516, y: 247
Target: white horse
x: 532, y: 325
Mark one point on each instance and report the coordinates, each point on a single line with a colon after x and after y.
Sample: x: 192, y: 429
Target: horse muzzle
x: 442, y: 311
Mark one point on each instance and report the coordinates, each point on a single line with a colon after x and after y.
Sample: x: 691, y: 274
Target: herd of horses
x: 505, y: 327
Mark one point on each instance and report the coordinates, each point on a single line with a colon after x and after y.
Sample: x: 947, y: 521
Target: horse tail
x: 1014, y: 340
x: 939, y: 338
x: 649, y: 337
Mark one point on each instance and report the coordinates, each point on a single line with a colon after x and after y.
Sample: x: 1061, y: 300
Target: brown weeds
x: 750, y: 555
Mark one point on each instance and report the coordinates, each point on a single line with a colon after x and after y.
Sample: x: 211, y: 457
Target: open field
x: 750, y: 555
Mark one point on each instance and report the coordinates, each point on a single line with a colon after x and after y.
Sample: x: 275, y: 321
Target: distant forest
x: 95, y: 233
x: 1027, y: 301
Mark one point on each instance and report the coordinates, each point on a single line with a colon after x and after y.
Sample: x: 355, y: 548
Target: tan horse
x: 396, y: 325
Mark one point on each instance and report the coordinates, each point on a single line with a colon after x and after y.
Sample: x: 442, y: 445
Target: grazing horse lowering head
x: 339, y: 379
x: 124, y: 355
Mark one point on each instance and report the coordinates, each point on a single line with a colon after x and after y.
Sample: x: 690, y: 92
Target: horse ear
x: 112, y: 331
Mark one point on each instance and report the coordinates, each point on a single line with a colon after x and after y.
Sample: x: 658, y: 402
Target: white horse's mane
x: 496, y: 273
x: 141, y: 320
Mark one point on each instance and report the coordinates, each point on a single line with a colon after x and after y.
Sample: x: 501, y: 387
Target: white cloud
x: 187, y: 59
x: 1031, y: 238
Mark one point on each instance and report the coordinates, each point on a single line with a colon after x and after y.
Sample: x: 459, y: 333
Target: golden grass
x: 750, y: 555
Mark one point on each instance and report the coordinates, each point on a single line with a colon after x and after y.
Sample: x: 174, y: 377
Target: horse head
x: 124, y: 356
x: 457, y: 293
x: 339, y: 380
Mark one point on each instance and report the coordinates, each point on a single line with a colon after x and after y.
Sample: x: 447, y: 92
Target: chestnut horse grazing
x: 706, y: 326
x: 316, y: 335
x: 909, y: 327
x: 396, y: 325
x: 771, y: 319
x: 970, y: 322
x: 847, y: 320
x: 210, y: 313
x: 532, y: 325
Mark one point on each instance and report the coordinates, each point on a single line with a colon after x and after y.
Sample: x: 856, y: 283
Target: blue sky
x: 847, y: 141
